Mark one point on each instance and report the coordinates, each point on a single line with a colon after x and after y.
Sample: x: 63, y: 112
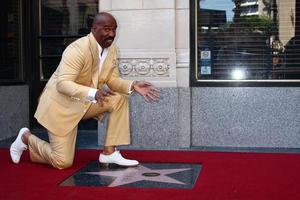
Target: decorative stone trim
x: 146, y: 67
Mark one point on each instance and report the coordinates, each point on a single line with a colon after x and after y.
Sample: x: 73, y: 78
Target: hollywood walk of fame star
x: 140, y: 173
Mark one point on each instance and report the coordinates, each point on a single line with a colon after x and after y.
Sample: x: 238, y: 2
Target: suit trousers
x: 60, y: 150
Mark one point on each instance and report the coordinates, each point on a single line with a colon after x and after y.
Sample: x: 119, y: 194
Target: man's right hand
x: 101, y: 94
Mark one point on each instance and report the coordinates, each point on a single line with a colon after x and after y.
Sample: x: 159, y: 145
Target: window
x: 10, y: 42
x: 61, y: 22
x: 245, y: 41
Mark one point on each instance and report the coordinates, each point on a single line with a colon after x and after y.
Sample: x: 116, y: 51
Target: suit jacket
x: 63, y: 103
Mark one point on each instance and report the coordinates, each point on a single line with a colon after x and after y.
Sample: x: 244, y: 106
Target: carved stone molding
x: 146, y: 67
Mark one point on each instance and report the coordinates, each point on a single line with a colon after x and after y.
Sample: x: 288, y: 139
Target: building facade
x: 156, y: 43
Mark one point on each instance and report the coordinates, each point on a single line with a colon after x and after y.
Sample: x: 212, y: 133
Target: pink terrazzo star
x: 140, y: 173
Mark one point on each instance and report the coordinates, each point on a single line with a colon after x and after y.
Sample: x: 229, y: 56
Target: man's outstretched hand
x: 147, y: 90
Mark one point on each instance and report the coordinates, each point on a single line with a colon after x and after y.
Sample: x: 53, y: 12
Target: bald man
x: 76, y: 92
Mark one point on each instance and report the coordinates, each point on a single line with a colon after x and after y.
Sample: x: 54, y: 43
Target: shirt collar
x: 101, y: 49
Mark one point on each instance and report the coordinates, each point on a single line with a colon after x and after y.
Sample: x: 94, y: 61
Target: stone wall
x: 246, y: 117
x: 242, y: 117
x: 14, y: 109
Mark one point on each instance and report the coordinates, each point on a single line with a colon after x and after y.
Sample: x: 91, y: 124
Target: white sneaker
x: 18, y: 146
x: 117, y: 158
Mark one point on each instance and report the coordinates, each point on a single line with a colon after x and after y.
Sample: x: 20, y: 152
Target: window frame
x: 20, y: 80
x: 195, y: 82
x: 43, y: 37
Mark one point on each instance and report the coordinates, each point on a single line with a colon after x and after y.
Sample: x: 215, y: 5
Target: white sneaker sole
x: 115, y: 165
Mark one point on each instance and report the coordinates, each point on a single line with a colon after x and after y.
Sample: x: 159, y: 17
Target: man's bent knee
x: 118, y: 100
x: 61, y: 163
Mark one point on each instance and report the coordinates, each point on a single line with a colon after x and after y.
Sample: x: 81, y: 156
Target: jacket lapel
x: 95, y: 54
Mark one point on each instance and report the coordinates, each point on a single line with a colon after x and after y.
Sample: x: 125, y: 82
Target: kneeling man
x: 75, y: 92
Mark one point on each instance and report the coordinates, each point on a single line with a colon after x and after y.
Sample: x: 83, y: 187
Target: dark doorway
x: 57, y: 24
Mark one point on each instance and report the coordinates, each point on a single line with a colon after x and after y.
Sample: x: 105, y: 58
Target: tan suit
x: 63, y: 102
